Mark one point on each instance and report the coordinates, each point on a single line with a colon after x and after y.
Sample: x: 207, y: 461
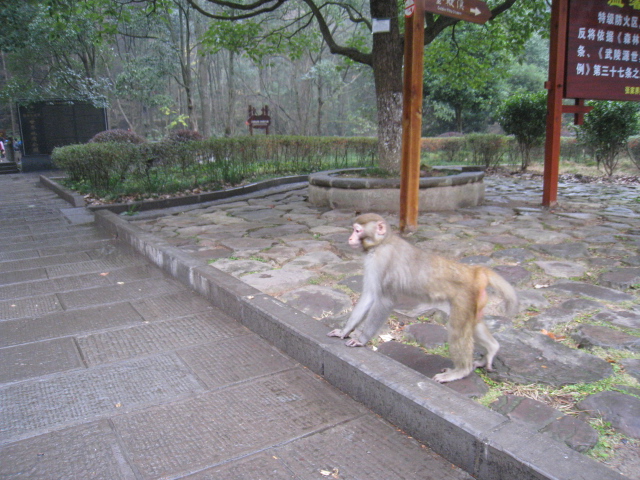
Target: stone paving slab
x: 349, y: 445
x: 87, y: 245
x: 39, y: 262
x: 18, y: 255
x: 26, y: 330
x: 253, y: 357
x: 150, y: 338
x: 76, y: 397
x: 86, y: 265
x: 284, y: 406
x: 29, y: 307
x: 87, y: 451
x: 63, y: 284
x: 33, y: 360
x: 171, y: 305
x: 20, y: 276
x: 119, y: 293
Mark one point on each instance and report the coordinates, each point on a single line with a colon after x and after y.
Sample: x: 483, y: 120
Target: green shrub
x: 118, y: 136
x: 606, y: 130
x: 452, y: 148
x: 115, y: 169
x: 182, y: 136
x: 487, y: 149
x: 524, y: 116
x: 102, y: 165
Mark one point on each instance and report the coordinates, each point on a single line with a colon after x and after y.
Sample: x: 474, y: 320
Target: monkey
x: 394, y: 267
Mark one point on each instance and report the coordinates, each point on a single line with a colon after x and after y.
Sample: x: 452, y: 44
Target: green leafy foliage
x: 114, y: 169
x: 117, y: 136
x: 487, y: 150
x: 606, y: 130
x: 182, y: 136
x: 524, y: 116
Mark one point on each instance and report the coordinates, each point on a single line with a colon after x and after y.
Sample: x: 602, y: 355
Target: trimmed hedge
x: 169, y: 166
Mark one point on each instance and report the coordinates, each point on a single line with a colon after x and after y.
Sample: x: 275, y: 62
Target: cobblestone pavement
x: 111, y: 370
x: 576, y: 268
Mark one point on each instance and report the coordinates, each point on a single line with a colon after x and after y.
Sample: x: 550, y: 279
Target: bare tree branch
x: 435, y: 28
x: 349, y: 52
x: 254, y: 9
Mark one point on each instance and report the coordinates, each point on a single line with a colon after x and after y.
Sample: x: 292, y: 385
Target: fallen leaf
x: 333, y: 473
x: 552, y: 335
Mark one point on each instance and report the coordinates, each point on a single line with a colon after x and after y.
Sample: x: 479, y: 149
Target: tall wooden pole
x: 555, y: 87
x: 411, y: 115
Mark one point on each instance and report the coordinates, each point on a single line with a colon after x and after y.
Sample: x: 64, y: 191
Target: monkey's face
x: 355, y: 240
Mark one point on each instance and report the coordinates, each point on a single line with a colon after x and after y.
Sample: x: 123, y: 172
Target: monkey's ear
x: 381, y: 228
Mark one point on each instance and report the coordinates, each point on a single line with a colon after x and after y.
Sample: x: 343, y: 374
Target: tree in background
x: 158, y: 64
x: 524, y: 116
x: 606, y: 130
x: 345, y: 27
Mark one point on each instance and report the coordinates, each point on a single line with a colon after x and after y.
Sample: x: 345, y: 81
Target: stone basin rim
x: 330, y: 179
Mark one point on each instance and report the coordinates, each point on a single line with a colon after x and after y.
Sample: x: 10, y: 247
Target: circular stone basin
x: 333, y: 189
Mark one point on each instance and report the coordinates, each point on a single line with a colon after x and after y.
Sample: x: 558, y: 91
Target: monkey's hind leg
x: 484, y: 338
x: 461, y: 331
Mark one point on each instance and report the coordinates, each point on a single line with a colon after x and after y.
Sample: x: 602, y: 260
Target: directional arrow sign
x: 474, y: 11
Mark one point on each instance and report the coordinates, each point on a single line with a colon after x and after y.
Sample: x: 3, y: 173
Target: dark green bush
x: 452, y: 148
x: 118, y: 136
x: 524, y: 116
x: 606, y: 130
x: 102, y: 165
x: 487, y: 150
x: 182, y: 136
x: 166, y: 167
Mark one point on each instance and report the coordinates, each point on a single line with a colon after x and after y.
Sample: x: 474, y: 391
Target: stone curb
x: 484, y: 443
x: 78, y: 200
x: 67, y: 195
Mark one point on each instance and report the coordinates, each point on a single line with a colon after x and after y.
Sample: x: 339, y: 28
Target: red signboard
x: 474, y: 11
x: 603, y: 50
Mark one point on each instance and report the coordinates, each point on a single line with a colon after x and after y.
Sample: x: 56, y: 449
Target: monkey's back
x: 404, y: 269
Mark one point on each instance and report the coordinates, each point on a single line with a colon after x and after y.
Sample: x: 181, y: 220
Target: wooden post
x: 555, y: 87
x: 411, y: 115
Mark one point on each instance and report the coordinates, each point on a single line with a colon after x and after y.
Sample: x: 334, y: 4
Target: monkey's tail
x: 506, y: 290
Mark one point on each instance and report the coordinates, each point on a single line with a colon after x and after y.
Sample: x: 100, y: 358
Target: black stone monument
x: 47, y: 124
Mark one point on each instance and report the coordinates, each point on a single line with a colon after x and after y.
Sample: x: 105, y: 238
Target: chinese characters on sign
x: 603, y: 50
x: 474, y: 11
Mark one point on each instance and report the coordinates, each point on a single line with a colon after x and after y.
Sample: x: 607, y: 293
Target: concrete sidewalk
x: 109, y: 369
x: 112, y: 369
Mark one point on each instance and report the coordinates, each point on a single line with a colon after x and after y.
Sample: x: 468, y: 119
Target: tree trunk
x: 231, y: 98
x: 387, y: 61
x: 203, y: 82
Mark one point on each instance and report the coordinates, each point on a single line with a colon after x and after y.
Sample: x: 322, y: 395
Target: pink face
x: 355, y: 238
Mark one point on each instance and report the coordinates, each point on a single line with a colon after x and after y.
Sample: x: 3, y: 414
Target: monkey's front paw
x: 335, y: 333
x: 449, y: 375
x: 352, y: 342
